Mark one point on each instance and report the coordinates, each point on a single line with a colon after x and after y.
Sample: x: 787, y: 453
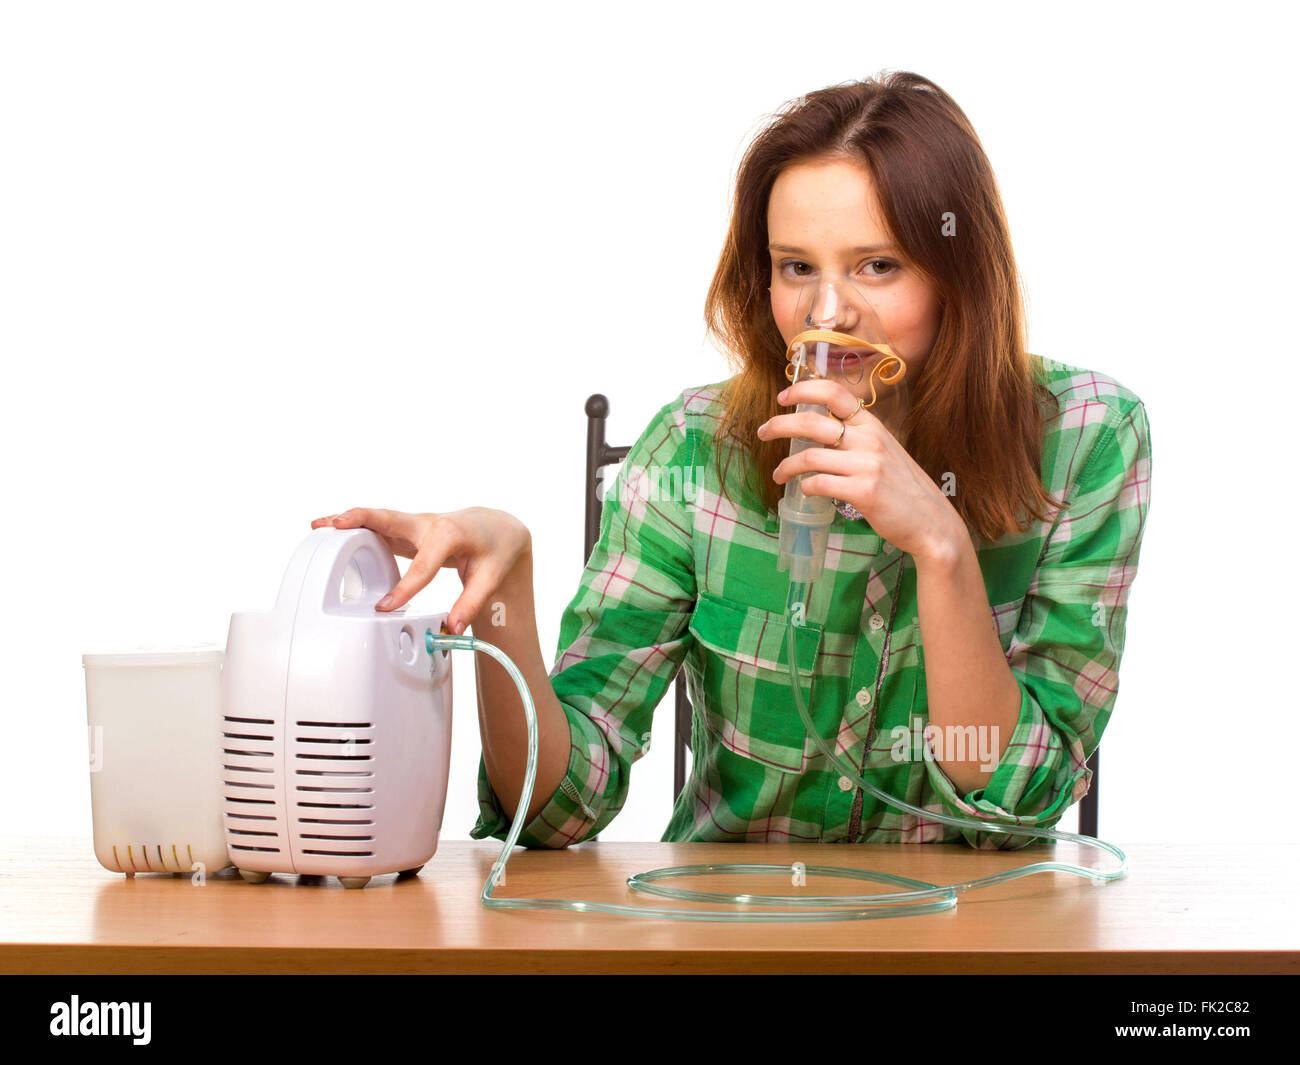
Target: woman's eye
x: 793, y: 268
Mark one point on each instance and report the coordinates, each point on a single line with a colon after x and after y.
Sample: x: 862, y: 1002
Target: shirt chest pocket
x: 742, y: 667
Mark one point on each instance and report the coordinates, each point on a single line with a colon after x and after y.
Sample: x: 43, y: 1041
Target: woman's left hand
x: 869, y: 469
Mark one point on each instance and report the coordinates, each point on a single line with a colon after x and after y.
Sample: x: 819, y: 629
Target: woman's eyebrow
x: 859, y: 249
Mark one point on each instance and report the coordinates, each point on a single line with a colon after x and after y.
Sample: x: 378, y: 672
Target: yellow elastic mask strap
x: 891, y: 368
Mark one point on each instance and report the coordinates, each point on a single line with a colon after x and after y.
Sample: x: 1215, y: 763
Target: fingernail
x: 385, y: 602
x: 458, y: 627
x: 763, y: 426
x: 780, y: 396
x: 343, y: 517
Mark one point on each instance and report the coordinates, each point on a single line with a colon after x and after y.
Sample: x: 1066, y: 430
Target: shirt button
x: 863, y: 697
x: 886, y: 546
x: 846, y: 784
x: 877, y: 623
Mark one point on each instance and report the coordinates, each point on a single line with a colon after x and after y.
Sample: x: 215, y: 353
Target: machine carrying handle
x: 355, y: 574
x: 337, y: 571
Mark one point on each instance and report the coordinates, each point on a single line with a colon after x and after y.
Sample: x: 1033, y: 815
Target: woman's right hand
x: 484, y: 545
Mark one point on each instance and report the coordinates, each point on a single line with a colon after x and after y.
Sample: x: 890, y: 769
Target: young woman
x: 963, y: 642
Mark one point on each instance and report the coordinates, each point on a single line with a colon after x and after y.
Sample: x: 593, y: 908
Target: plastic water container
x: 154, y: 721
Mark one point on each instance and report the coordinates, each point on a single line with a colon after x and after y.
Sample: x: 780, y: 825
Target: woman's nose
x: 830, y: 310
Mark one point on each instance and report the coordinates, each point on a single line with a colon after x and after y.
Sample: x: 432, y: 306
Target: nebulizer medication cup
x: 836, y: 335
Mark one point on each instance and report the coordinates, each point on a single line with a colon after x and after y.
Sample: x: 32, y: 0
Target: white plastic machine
x: 336, y: 724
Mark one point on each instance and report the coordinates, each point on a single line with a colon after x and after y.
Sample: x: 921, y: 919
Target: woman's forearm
x: 974, y: 699
x: 509, y: 621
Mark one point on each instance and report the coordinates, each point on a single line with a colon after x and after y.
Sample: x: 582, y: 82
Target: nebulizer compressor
x: 865, y: 363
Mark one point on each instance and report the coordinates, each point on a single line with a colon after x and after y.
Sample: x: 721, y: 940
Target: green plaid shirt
x: 683, y: 574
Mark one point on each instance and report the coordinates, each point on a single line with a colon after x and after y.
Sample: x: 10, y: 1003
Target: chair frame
x: 601, y: 454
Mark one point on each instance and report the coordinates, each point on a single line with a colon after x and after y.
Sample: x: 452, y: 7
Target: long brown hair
x: 977, y: 409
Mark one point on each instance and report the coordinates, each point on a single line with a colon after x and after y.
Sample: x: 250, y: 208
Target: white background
x: 265, y: 261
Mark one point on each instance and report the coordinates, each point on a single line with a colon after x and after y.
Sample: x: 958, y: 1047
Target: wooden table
x: 1203, y: 909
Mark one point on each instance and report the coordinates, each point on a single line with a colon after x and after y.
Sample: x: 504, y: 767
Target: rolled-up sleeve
x: 622, y: 639
x: 1065, y: 652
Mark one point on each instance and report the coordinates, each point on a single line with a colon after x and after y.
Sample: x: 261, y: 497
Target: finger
x: 478, y: 589
x: 817, y: 460
x: 833, y: 395
x: 357, y: 516
x: 825, y: 484
x: 432, y: 555
x: 393, y: 525
x: 417, y: 575
x: 821, y: 390
x: 352, y: 519
x: 806, y: 425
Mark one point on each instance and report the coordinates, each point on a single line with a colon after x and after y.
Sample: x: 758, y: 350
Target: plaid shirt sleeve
x: 1066, y: 649
x: 622, y: 638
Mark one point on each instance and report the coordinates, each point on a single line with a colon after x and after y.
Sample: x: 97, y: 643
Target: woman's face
x: 824, y: 220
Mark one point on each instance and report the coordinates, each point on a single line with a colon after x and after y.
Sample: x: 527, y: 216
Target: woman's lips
x: 843, y: 360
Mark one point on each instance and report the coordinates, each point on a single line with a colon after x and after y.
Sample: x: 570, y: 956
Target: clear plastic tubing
x: 917, y: 897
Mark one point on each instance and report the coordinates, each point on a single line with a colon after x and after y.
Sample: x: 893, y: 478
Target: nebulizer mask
x: 841, y: 340
x: 835, y: 334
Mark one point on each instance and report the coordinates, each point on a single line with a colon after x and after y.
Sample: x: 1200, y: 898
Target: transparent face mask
x: 835, y: 333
